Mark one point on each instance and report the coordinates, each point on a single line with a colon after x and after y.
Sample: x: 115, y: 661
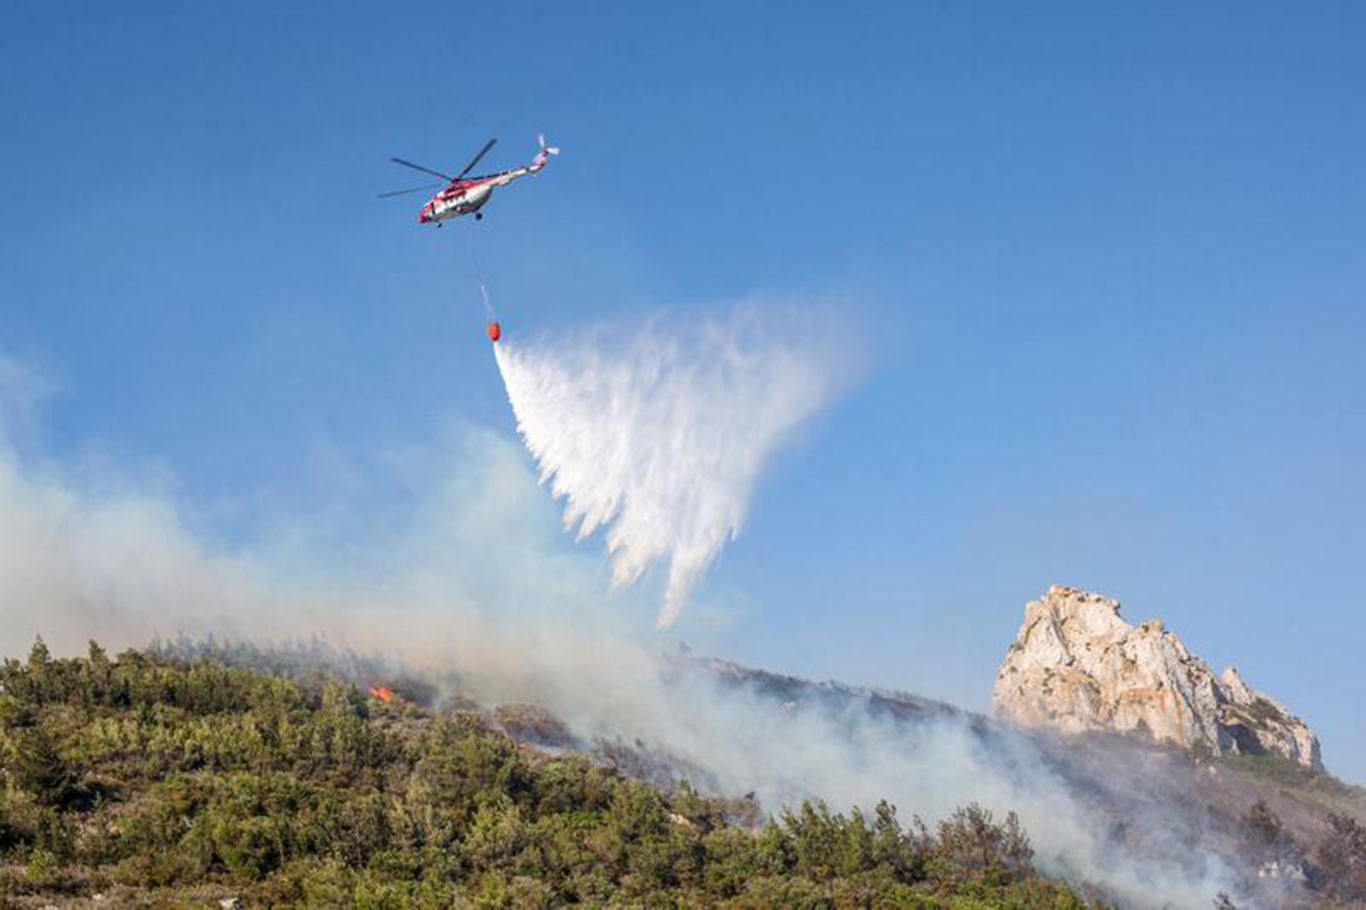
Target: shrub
x: 1265, y: 839
x: 1339, y: 860
x: 42, y: 868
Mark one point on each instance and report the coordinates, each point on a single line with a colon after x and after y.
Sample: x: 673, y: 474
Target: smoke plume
x: 478, y: 580
x: 658, y: 435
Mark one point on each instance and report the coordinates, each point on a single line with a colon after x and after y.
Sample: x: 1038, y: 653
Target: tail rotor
x: 540, y: 159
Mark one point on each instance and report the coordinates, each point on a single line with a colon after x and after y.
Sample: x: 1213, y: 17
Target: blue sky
x: 1105, y: 267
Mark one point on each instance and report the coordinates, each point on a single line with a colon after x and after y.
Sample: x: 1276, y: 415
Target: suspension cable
x: 479, y: 273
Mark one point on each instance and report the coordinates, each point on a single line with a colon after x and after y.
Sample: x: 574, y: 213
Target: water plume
x: 658, y: 434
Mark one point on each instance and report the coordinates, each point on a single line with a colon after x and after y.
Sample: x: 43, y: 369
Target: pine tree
x: 41, y: 770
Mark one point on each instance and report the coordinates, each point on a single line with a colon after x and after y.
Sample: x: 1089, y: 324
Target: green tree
x: 40, y: 769
x: 972, y: 847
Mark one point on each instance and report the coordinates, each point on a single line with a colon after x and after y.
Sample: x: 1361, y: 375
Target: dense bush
x: 161, y: 776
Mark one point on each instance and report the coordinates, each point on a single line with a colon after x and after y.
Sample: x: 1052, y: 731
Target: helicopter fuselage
x: 467, y: 195
x: 463, y: 197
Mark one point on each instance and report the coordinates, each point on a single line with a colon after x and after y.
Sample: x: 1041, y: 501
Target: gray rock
x: 1077, y: 666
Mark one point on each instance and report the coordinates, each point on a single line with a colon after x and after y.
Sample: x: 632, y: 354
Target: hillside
x: 151, y: 780
x: 1290, y: 835
x: 190, y: 773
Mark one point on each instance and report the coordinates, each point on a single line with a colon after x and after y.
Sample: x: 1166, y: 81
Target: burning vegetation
x: 154, y: 776
x: 153, y: 780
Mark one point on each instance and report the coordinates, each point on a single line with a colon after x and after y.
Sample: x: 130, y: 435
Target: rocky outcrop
x: 1077, y: 666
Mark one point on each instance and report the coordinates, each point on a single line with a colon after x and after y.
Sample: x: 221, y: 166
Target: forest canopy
x: 150, y: 778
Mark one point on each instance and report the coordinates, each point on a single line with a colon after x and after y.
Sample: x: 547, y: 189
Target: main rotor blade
x: 429, y: 186
x: 482, y: 152
x: 425, y: 170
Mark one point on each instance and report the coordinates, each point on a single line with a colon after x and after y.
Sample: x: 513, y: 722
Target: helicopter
x: 467, y: 195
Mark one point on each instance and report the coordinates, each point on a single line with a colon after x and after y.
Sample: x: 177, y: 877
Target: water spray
x: 657, y: 434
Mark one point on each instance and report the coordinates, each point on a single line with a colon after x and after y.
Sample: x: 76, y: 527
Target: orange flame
x: 383, y: 693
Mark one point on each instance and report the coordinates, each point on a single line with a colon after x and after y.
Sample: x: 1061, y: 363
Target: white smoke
x: 478, y: 578
x: 659, y: 434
